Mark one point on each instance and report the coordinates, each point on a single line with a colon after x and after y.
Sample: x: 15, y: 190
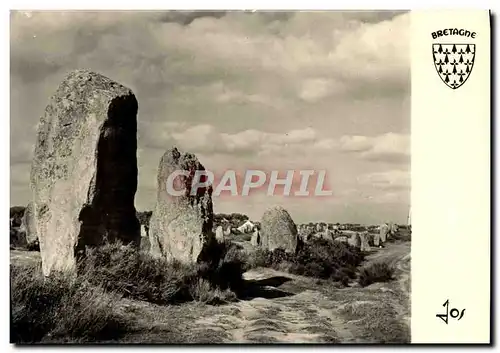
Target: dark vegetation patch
x: 82, y: 308
x: 376, y: 272
x: 318, y: 258
x: 60, y: 308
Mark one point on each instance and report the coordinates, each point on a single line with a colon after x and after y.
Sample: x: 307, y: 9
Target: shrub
x: 60, y: 308
x: 376, y: 272
x: 17, y: 213
x: 318, y: 258
x: 33, y: 246
x: 202, y: 291
x: 136, y: 275
x: 140, y: 276
x: 227, y: 272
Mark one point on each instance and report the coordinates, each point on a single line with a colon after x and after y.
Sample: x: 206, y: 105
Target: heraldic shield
x: 454, y: 62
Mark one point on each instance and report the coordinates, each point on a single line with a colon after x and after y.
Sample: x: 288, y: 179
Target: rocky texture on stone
x: 255, y: 240
x: 28, y: 224
x: 145, y: 245
x: 219, y: 234
x: 181, y: 226
x: 355, y: 240
x: 393, y: 229
x: 365, y: 245
x: 84, y: 170
x: 329, y: 235
x: 384, y: 230
x: 278, y: 230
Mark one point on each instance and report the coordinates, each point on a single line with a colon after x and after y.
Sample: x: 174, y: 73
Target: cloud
x: 204, y: 138
x: 187, y: 17
x: 236, y: 88
x: 389, y: 180
x: 208, y: 139
x: 313, y: 90
x: 389, y: 147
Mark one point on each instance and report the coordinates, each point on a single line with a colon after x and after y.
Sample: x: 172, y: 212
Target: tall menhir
x: 84, y: 170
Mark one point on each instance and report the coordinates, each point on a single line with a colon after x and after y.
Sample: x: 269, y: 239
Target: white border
x: 148, y: 4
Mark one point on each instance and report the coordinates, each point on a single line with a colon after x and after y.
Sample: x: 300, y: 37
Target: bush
x: 144, y: 217
x: 234, y: 220
x: 376, y: 272
x: 17, y: 213
x: 60, y: 309
x: 139, y: 276
x: 82, y: 308
x: 203, y: 291
x: 402, y: 235
x: 318, y: 258
x: 33, y: 246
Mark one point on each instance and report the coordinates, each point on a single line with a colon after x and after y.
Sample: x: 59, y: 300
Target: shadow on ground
x: 265, y: 288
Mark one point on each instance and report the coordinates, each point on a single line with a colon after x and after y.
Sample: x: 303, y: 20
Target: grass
x: 240, y: 237
x: 139, y: 276
x: 377, y: 319
x: 402, y: 235
x: 82, y: 308
x: 376, y: 272
x: 318, y: 258
x: 61, y: 309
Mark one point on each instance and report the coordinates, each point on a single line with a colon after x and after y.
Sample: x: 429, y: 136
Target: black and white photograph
x: 211, y: 177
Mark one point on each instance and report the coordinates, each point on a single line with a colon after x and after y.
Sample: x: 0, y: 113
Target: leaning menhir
x: 181, y: 225
x: 84, y: 170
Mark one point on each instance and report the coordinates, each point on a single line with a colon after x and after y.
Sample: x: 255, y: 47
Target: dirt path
x: 288, y: 309
x: 399, y: 256
x: 310, y: 312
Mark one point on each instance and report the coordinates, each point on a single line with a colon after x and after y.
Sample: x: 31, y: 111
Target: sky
x: 321, y: 90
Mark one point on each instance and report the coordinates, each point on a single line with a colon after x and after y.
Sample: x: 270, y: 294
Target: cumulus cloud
x: 207, y: 139
x: 389, y: 147
x: 388, y: 180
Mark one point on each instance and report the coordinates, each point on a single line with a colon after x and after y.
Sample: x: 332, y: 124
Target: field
x: 281, y: 308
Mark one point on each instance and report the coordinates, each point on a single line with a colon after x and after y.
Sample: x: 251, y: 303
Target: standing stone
x: 393, y: 229
x: 364, y: 241
x: 28, y: 224
x: 181, y: 226
x: 145, y: 244
x: 329, y: 235
x: 255, y: 241
x: 219, y: 234
x: 376, y: 240
x: 341, y: 239
x: 84, y: 170
x: 305, y: 233
x: 227, y: 232
x: 384, y: 229
x: 278, y: 230
x: 319, y: 227
x: 355, y: 240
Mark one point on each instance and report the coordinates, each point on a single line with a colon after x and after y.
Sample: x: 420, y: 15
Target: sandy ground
x: 286, y: 309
